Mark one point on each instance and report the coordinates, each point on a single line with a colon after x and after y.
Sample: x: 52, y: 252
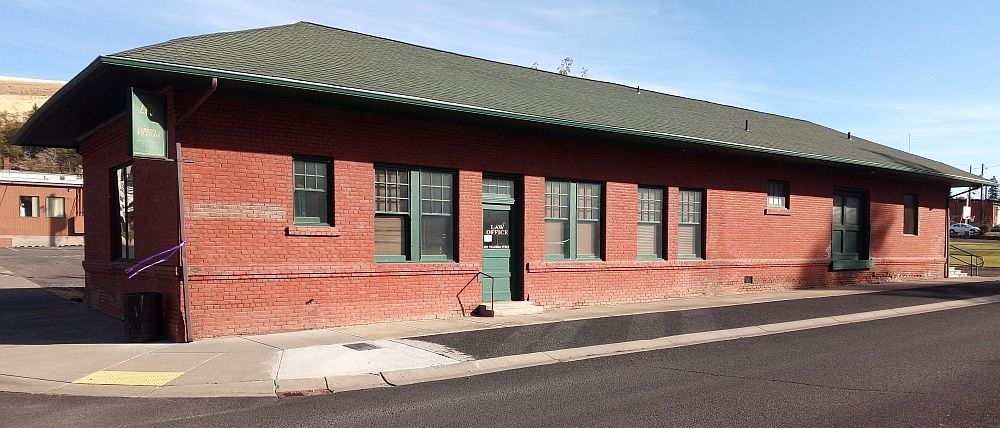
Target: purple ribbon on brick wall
x: 146, y: 264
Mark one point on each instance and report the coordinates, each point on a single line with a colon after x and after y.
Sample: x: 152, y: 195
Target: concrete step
x: 508, y: 308
x: 954, y: 272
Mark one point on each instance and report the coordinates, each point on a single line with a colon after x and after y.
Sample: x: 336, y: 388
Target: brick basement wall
x: 252, y: 271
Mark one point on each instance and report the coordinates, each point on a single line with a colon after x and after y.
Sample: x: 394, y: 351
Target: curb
x: 511, y: 362
x: 342, y: 383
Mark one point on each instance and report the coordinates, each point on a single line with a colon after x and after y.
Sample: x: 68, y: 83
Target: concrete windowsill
x: 777, y: 211
x: 295, y: 230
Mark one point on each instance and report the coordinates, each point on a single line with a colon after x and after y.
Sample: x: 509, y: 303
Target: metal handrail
x: 975, y: 261
x: 479, y: 277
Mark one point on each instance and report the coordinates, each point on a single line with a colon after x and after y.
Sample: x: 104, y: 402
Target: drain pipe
x: 181, y: 231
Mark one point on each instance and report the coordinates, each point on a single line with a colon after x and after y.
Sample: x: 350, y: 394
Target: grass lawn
x: 988, y: 250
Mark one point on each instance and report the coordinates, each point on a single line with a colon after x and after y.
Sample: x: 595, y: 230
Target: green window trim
x: 416, y: 195
x: 312, y: 183
x: 574, y: 203
x: 691, y: 224
x: 650, y: 215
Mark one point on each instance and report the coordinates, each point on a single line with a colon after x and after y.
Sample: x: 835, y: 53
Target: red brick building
x: 330, y: 178
x: 40, y: 209
x: 986, y: 213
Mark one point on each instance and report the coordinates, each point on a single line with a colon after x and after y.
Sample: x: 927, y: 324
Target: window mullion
x: 572, y: 220
x: 415, y: 215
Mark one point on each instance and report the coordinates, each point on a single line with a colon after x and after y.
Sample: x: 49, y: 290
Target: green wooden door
x: 497, y: 240
x: 848, y: 226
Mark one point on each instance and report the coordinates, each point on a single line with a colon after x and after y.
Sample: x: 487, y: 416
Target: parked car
x: 963, y: 229
x: 995, y: 228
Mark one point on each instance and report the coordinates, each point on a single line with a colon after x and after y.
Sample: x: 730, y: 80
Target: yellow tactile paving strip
x: 130, y: 378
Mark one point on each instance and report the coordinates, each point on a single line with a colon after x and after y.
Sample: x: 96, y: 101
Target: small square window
x: 311, y: 199
x: 55, y: 207
x: 777, y: 194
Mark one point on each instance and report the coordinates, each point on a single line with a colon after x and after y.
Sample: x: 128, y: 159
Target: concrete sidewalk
x: 385, y: 354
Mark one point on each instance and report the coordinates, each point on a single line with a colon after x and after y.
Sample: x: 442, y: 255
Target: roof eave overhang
x: 953, y: 179
x: 22, y: 137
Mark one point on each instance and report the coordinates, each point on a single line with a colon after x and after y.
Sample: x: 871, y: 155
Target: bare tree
x: 566, y: 67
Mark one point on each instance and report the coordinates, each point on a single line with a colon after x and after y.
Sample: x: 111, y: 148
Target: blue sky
x: 927, y: 72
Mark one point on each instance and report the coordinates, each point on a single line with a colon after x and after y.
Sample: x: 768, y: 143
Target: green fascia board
x: 425, y: 102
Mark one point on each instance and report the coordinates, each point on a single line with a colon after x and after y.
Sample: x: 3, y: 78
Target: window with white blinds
x: 649, y: 230
x: 690, y: 230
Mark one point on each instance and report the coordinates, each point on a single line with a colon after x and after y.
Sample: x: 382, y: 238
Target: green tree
x: 9, y: 124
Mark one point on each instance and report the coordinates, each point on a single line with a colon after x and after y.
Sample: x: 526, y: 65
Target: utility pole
x: 968, y: 197
x: 982, y: 194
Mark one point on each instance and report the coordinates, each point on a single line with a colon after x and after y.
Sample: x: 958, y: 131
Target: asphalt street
x: 597, y: 331
x: 940, y: 369
x: 48, y: 267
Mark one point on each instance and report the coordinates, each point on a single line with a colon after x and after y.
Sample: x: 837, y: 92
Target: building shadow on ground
x: 35, y: 316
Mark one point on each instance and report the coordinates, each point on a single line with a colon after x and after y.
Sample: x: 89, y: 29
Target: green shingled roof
x: 310, y: 54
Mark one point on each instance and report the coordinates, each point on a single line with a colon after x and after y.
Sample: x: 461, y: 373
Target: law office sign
x: 149, y: 124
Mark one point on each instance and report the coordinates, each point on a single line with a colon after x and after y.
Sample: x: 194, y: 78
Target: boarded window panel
x: 435, y: 235
x: 685, y: 240
x: 588, y: 239
x: 557, y: 238
x: 650, y: 239
x: 390, y: 235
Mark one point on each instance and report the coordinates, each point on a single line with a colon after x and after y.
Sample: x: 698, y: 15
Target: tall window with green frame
x: 311, y: 180
x: 123, y: 223
x: 690, y: 231
x: 573, y: 225
x: 414, y: 215
x: 649, y: 230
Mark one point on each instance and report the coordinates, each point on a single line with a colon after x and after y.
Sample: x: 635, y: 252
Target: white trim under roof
x: 8, y: 176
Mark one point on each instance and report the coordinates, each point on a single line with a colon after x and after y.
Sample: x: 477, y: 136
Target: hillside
x: 20, y: 94
x: 18, y: 98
